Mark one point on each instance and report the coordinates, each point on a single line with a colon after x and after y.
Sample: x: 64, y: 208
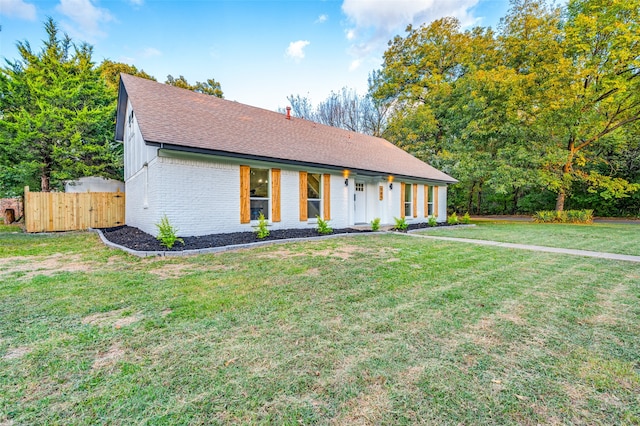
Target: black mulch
x: 136, y: 239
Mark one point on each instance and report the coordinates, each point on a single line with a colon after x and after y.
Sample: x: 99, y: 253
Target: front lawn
x: 383, y: 329
x: 609, y: 238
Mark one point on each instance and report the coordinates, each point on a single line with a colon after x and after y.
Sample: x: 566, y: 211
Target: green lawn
x: 610, y: 238
x: 381, y: 329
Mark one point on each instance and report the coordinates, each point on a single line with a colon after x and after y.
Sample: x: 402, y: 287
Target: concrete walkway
x: 587, y: 253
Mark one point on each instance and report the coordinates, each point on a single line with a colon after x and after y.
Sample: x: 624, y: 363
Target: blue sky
x: 260, y: 51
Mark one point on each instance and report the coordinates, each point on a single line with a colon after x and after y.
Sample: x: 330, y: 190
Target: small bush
x: 565, y: 216
x: 432, y: 221
x: 401, y: 224
x: 453, y: 219
x: 323, y: 227
x: 466, y: 219
x: 375, y: 224
x: 167, y: 233
x: 262, y: 231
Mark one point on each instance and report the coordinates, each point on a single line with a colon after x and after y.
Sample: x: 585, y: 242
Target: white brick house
x: 213, y: 165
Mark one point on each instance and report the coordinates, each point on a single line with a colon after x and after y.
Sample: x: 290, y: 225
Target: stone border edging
x: 209, y: 250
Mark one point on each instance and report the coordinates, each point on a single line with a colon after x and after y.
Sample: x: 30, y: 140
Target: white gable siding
x: 136, y: 152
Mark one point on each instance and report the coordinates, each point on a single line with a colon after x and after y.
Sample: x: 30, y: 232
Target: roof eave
x: 121, y: 111
x: 238, y: 155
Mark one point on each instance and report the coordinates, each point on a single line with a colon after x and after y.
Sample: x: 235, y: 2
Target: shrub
x: 323, y: 227
x: 375, y: 224
x: 565, y: 216
x: 401, y: 224
x: 432, y: 221
x: 262, y: 231
x: 466, y: 219
x: 167, y: 233
x: 453, y: 219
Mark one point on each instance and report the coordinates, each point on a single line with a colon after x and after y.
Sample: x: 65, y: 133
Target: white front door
x: 360, y: 203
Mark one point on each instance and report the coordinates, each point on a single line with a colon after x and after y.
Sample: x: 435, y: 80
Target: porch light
x: 345, y: 173
x: 390, y: 182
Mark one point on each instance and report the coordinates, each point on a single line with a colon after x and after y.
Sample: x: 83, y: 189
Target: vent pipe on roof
x: 288, y: 113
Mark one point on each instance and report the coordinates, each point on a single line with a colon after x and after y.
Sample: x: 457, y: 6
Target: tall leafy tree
x: 110, y: 72
x: 538, y: 107
x: 209, y: 87
x: 601, y: 97
x: 57, y: 116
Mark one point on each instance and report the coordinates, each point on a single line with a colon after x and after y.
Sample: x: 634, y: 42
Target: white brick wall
x: 442, y: 204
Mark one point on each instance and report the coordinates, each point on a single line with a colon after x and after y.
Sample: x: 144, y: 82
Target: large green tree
x: 111, y: 70
x: 209, y: 87
x: 56, y: 117
x: 540, y: 106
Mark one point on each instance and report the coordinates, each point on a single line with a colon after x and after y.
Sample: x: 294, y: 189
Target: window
x: 430, y: 202
x: 313, y: 194
x: 407, y: 201
x: 259, y: 193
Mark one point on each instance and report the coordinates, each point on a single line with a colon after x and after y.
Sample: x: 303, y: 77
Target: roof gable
x: 177, y: 117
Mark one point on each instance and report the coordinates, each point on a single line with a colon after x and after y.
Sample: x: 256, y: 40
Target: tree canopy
x: 57, y: 114
x: 543, y: 108
x: 57, y: 117
x: 110, y: 72
x: 209, y: 87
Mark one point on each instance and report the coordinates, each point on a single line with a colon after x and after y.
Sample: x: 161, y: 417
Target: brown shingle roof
x: 180, y: 117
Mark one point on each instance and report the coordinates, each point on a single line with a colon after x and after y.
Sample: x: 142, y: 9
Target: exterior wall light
x: 390, y: 182
x: 345, y: 173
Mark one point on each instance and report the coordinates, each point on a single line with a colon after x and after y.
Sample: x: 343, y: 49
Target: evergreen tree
x: 57, y: 117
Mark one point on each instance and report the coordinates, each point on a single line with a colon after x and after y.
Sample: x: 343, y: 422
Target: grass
x: 609, y: 238
x: 368, y: 330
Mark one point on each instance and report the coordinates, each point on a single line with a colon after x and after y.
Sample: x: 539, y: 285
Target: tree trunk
x: 560, y: 200
x: 44, y: 183
x: 470, y: 203
x: 566, y: 169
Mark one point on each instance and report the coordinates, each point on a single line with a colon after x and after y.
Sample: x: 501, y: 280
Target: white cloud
x: 86, y: 15
x: 18, y: 9
x: 150, y: 52
x: 375, y: 22
x: 322, y: 19
x: 296, y: 49
x: 355, y: 64
x: 136, y: 2
x: 350, y: 34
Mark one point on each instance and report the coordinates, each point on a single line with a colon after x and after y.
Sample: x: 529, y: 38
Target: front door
x: 360, y: 203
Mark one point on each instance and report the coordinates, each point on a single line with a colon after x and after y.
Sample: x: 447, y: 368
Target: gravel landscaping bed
x: 136, y: 239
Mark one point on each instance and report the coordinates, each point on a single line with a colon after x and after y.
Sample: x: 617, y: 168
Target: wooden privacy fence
x: 72, y: 211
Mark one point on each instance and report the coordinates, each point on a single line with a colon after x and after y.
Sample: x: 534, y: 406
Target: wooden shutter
x: 435, y: 201
x: 415, y: 200
x: 402, y: 189
x: 303, y: 197
x: 326, y: 197
x: 426, y: 201
x: 275, y: 195
x: 245, y: 209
